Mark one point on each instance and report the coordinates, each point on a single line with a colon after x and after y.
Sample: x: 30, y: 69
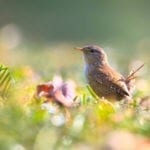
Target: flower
x: 58, y: 91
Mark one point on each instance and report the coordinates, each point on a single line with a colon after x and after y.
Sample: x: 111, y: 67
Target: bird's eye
x: 92, y: 51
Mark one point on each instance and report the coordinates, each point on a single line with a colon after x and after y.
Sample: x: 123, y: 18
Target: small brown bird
x: 103, y: 79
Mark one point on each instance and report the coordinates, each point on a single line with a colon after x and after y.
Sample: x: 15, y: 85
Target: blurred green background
x: 121, y: 27
x: 119, y: 23
x: 36, y: 43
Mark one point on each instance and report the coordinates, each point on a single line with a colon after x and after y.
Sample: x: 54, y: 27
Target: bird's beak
x: 78, y: 48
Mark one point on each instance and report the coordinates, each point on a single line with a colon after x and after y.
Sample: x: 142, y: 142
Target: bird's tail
x: 131, y: 78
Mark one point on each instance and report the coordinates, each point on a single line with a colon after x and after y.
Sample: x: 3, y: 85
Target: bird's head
x: 93, y: 54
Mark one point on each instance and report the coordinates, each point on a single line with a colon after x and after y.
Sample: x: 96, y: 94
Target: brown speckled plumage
x: 107, y: 83
x: 103, y: 79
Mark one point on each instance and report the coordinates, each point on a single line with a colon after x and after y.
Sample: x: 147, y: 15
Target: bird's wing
x: 113, y: 80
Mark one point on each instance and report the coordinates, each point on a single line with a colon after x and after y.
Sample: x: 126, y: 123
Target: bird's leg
x: 108, y: 103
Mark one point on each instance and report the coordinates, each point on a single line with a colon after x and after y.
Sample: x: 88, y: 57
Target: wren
x: 105, y: 81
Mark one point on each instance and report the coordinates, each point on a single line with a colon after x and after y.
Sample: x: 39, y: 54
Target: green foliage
x: 28, y: 124
x: 5, y: 80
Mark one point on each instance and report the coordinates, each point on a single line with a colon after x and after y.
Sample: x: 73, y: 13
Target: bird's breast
x: 88, y: 71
